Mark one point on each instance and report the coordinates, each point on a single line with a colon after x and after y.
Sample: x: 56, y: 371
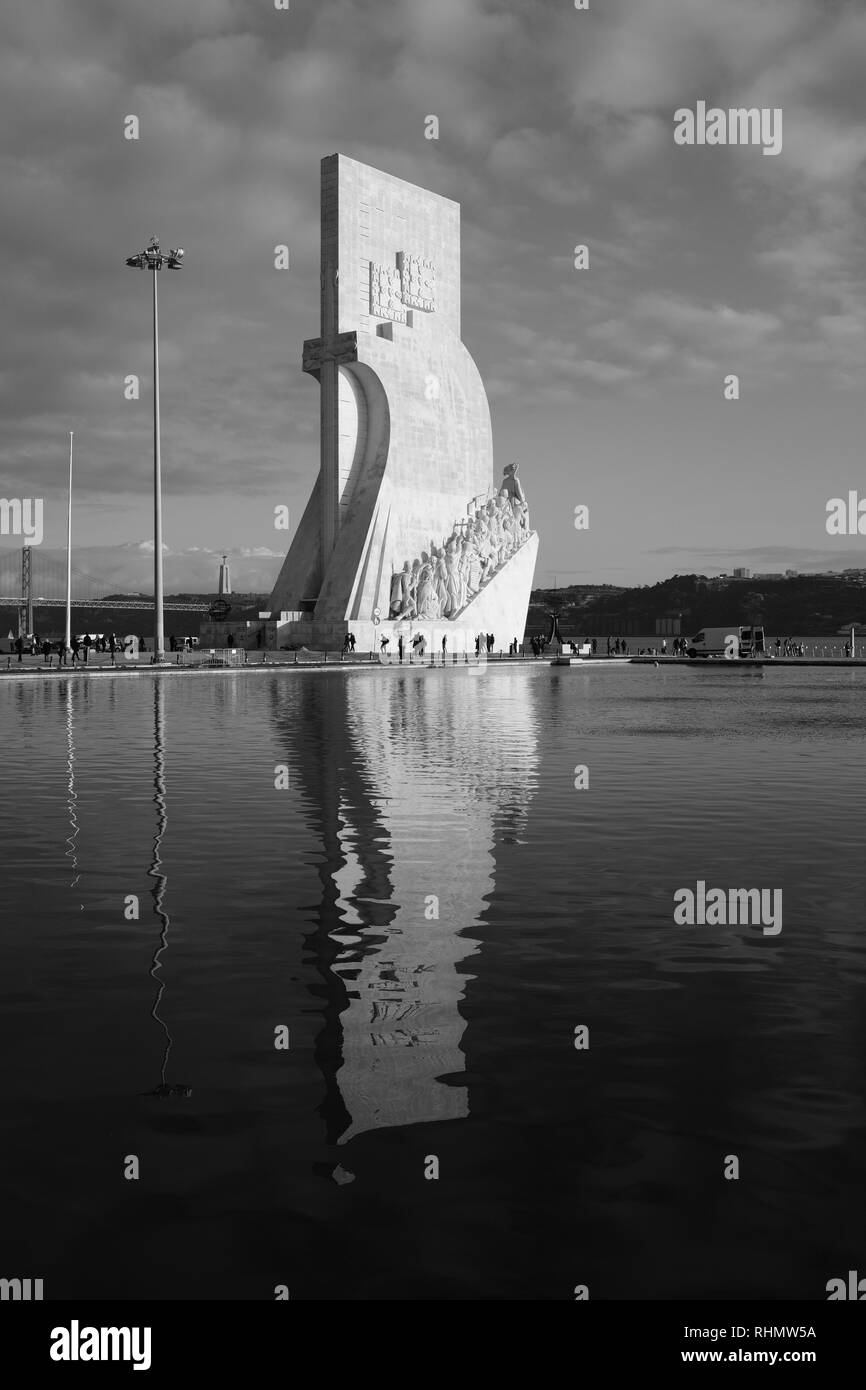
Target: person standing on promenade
x: 74, y: 645
x: 112, y: 647
x: 46, y: 650
x: 400, y: 648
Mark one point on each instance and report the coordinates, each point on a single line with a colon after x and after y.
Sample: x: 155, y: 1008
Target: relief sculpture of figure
x: 441, y: 583
x: 511, y: 485
x: 427, y: 601
x: 399, y: 592
x: 472, y: 565
x: 441, y: 580
x: 409, y: 581
x: 452, y: 580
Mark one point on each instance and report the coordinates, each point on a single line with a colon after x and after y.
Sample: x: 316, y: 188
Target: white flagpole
x: 69, y: 553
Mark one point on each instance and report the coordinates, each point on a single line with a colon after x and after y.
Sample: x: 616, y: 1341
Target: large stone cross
x: 322, y: 359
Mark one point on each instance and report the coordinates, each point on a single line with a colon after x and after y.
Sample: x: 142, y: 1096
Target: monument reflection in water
x: 407, y: 868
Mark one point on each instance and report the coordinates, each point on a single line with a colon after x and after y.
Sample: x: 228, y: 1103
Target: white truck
x: 732, y: 642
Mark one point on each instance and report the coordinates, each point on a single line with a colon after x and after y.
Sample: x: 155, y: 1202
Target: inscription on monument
x: 418, y: 277
x: 411, y: 284
x: 385, y: 294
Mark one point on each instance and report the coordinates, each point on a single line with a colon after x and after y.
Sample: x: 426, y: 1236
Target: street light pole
x: 68, y: 639
x: 153, y: 259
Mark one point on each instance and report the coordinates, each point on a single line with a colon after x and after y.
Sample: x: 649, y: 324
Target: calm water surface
x: 314, y: 907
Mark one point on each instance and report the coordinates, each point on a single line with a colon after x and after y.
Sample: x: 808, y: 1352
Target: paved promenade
x: 200, y: 663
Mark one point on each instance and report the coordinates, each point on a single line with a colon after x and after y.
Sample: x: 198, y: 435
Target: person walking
x: 400, y: 648
x: 46, y: 650
x: 112, y: 647
x: 74, y: 646
x: 444, y: 645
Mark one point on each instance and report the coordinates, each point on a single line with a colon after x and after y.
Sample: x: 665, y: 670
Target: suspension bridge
x: 31, y: 580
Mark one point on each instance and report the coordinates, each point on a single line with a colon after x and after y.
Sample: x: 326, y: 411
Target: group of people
x: 442, y: 581
x: 79, y: 649
x: 483, y: 642
x: 419, y: 646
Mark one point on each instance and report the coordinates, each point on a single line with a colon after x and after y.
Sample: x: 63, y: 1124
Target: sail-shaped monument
x: 410, y: 528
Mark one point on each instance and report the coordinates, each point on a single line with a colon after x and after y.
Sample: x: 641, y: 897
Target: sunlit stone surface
x: 406, y: 446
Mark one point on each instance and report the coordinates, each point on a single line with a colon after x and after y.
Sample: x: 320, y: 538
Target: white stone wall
x: 411, y: 444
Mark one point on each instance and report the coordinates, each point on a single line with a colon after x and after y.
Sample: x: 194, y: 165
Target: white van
x: 727, y: 641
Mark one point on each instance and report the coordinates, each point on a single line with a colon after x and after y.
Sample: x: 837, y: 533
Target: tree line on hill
x: 801, y: 604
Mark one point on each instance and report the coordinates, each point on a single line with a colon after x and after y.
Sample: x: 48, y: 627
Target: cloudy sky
x: 556, y: 128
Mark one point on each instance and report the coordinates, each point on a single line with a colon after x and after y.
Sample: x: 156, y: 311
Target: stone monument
x: 407, y: 530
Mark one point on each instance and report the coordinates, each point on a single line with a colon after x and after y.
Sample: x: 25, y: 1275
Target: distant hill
x: 812, y: 604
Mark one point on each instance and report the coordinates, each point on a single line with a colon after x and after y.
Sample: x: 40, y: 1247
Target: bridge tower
x: 25, y: 607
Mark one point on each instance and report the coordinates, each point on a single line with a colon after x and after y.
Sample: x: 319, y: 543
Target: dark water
x: 413, y: 1036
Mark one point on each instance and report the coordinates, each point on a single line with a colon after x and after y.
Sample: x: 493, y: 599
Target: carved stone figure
x: 442, y: 582
x: 511, y: 484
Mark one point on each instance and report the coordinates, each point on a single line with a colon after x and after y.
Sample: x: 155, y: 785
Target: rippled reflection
x: 160, y: 887
x: 71, y: 794
x: 407, y: 869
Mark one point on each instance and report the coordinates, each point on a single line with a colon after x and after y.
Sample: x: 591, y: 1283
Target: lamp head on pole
x: 156, y: 259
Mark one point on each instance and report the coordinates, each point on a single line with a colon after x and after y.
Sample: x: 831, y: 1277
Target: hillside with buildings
x: 789, y: 603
